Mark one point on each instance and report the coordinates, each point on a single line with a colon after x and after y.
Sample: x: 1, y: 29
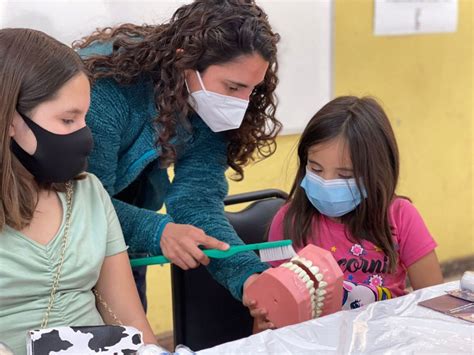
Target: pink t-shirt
x: 365, y: 266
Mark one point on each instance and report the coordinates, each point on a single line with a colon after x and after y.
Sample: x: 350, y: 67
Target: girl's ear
x: 15, y: 125
x: 11, y: 129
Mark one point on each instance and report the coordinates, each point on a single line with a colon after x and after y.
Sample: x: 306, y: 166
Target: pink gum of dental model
x: 298, y: 291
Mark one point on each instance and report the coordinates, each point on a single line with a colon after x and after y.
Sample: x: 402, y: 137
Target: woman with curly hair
x: 197, y: 93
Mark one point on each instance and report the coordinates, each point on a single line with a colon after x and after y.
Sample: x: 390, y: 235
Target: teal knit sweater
x: 121, y: 120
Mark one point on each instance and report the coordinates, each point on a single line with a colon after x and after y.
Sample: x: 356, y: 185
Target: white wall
x: 305, y: 27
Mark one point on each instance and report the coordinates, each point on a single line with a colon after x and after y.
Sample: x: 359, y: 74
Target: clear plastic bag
x: 396, y: 326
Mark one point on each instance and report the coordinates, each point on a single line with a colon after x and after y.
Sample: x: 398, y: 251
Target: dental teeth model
x: 306, y: 287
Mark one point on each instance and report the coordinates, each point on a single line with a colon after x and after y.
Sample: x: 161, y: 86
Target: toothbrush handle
x: 161, y: 259
x: 151, y: 260
x: 154, y: 260
x: 246, y: 247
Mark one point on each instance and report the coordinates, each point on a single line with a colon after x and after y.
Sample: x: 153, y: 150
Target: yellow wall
x: 425, y: 83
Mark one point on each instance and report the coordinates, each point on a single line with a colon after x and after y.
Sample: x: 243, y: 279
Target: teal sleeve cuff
x: 156, y: 249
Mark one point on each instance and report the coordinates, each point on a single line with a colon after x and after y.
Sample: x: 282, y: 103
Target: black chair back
x: 204, y: 313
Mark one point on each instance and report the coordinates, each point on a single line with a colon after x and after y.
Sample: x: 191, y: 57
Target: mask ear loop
x: 187, y: 86
x: 200, y: 82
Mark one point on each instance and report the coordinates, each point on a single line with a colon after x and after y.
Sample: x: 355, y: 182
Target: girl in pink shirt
x: 343, y: 199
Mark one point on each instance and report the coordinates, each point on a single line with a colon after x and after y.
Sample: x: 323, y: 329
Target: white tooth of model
x: 321, y: 298
x: 305, y: 278
x: 314, y: 269
x: 318, y: 312
x: 310, y: 283
x: 321, y: 292
x: 298, y: 273
x: 319, y: 277
x: 323, y: 284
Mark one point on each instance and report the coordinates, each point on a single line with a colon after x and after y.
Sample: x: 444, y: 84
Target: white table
x: 397, y: 326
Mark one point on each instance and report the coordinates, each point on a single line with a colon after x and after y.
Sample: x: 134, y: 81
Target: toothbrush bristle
x: 274, y: 254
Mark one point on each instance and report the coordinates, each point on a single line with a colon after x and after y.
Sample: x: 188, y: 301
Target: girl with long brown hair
x: 343, y: 199
x: 196, y: 93
x: 59, y: 234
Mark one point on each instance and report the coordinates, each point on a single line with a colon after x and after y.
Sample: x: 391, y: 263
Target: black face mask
x: 58, y: 157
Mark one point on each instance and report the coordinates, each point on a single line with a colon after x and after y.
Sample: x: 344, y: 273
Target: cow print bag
x: 100, y: 339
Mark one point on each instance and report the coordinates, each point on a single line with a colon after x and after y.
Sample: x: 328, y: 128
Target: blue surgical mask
x: 332, y: 198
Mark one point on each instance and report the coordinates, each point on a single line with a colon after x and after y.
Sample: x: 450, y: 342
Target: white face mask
x: 219, y: 112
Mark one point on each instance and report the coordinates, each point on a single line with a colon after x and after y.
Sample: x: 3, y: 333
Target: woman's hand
x: 180, y: 244
x: 259, y: 315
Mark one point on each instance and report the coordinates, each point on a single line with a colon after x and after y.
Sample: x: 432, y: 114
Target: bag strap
x: 52, y: 295
x: 44, y: 323
x: 104, y: 304
x: 54, y: 288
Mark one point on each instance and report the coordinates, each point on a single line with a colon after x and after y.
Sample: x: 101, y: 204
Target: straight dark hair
x: 33, y: 67
x: 363, y: 124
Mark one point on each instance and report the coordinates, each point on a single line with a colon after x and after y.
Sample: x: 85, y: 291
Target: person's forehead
x: 332, y: 149
x: 246, y: 70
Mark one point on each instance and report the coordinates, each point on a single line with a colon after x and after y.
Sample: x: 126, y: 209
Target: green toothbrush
x: 269, y: 251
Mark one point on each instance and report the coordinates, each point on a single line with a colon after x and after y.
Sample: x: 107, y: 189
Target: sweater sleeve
x: 142, y: 228
x: 196, y: 197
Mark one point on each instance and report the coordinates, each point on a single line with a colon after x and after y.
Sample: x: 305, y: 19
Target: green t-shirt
x: 27, y: 268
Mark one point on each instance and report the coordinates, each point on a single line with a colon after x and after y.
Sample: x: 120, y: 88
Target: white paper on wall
x: 305, y: 27
x: 399, y: 17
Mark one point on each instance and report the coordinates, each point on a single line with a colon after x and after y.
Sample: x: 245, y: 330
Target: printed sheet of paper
x: 463, y: 294
x: 452, y: 306
x: 402, y: 17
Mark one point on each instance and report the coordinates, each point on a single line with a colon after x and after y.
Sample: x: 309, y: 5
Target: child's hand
x: 261, y: 321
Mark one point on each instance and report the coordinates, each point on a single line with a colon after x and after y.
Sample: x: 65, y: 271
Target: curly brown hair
x: 200, y: 34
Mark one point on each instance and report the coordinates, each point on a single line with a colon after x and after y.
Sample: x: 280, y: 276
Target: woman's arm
x: 107, y: 118
x: 196, y: 198
x: 117, y: 289
x: 425, y: 272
